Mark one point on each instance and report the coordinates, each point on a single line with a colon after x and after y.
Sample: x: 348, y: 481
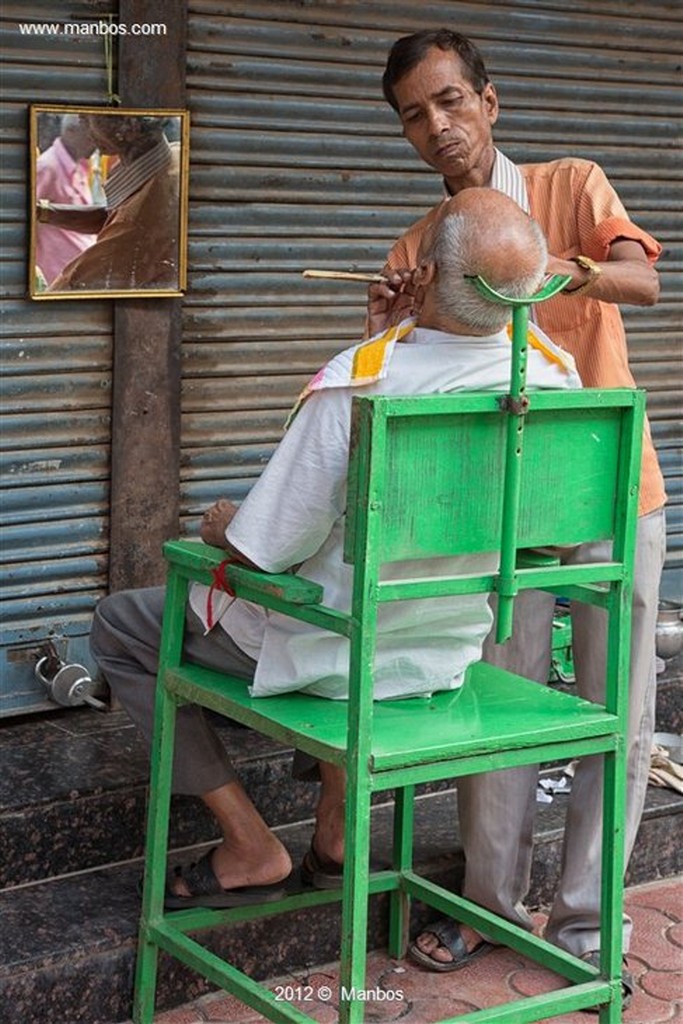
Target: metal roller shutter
x: 54, y: 429
x: 297, y: 161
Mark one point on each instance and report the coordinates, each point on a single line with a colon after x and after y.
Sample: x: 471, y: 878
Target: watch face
x: 587, y: 263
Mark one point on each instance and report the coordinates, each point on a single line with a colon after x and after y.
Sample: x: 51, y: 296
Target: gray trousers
x: 125, y: 640
x: 497, y: 809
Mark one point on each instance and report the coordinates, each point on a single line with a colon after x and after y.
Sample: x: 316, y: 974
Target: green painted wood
x: 515, y: 409
x: 402, y: 849
x: 493, y: 710
x: 156, y: 844
x: 193, y: 554
x: 569, y: 460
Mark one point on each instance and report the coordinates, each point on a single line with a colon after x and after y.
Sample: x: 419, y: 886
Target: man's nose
x: 438, y: 121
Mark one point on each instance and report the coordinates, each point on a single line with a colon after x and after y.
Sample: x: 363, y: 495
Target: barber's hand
x: 215, y: 522
x: 556, y: 265
x: 391, y: 301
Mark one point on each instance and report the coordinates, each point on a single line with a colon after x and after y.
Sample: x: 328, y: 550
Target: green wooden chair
x: 561, y: 468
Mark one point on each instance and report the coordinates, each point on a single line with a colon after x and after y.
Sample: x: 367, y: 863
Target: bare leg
x: 249, y: 854
x: 328, y: 839
x: 125, y: 640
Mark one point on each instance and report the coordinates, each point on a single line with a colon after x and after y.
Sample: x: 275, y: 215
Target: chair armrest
x: 294, y: 589
x: 197, y: 560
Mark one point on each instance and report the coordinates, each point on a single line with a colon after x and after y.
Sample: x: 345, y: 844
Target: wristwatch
x: 594, y: 272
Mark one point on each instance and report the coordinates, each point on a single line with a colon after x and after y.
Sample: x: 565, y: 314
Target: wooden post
x: 147, y: 338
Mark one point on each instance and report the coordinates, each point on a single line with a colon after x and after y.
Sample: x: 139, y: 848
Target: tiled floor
x: 414, y: 996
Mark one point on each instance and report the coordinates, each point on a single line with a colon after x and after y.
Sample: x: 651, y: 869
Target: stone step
x: 67, y: 945
x: 73, y: 793
x: 73, y: 790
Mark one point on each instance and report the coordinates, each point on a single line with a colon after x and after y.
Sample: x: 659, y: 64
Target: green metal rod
x: 515, y: 405
x: 553, y: 286
x: 506, y: 581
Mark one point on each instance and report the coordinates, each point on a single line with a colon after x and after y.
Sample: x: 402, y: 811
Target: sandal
x: 321, y: 872
x: 206, y: 890
x: 447, y: 931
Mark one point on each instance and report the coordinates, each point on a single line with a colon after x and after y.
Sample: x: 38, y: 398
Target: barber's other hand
x: 564, y: 268
x: 215, y: 522
x: 391, y: 301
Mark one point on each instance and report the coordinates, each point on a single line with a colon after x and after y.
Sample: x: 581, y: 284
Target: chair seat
x: 494, y: 711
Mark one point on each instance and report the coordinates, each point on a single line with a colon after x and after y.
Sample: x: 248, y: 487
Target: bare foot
x: 250, y: 853
x: 235, y: 868
x: 430, y: 944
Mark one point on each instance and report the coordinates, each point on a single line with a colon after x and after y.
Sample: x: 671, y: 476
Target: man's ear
x: 490, y: 102
x: 424, y: 273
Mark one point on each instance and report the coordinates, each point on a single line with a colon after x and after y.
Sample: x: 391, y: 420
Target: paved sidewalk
x: 420, y: 997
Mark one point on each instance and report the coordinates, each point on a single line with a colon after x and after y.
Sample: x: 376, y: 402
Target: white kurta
x: 294, y: 515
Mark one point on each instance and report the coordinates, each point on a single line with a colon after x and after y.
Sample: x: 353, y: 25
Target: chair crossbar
x: 496, y: 928
x: 526, y: 579
x: 225, y: 976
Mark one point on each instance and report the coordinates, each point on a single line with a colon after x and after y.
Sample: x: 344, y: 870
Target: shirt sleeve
x: 301, y: 493
x: 46, y: 182
x: 602, y: 219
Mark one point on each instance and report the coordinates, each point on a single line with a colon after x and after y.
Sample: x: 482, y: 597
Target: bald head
x: 482, y: 232
x: 76, y: 137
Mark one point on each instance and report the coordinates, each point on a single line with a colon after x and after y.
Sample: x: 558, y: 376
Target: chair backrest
x: 426, y: 474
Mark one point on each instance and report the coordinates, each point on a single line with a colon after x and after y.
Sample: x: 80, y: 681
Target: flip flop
x: 447, y: 931
x: 592, y: 957
x: 206, y: 890
x: 320, y: 872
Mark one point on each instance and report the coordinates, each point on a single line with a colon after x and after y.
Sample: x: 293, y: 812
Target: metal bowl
x: 669, y: 630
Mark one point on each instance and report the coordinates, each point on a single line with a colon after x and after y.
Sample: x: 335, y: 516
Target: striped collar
x: 506, y: 177
x: 126, y: 179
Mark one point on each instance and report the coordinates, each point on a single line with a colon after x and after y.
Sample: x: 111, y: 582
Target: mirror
x: 108, y: 202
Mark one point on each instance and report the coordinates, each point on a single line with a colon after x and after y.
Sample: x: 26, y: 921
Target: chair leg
x: 612, y: 879
x: 355, y: 900
x: 399, y: 900
x: 156, y: 848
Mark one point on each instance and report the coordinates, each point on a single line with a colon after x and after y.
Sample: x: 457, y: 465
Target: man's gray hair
x: 459, y: 251
x: 70, y: 121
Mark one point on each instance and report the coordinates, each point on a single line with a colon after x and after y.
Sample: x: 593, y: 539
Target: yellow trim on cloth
x: 539, y: 340
x: 369, y: 362
x: 357, y: 366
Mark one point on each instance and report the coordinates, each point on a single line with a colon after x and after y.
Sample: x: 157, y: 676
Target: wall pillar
x: 147, y: 339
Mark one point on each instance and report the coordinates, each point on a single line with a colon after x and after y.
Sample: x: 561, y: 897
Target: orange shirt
x: 579, y: 212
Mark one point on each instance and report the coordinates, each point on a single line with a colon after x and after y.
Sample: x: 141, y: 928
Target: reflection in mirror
x: 109, y: 201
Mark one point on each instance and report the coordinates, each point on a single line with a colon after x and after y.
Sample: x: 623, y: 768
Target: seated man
x: 294, y: 517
